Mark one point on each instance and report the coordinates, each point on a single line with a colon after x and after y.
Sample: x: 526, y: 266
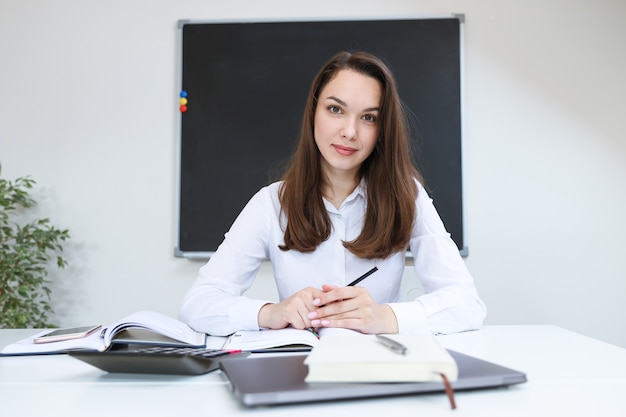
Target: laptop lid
x: 278, y: 379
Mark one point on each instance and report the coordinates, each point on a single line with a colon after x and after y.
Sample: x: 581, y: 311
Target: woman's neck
x: 337, y: 188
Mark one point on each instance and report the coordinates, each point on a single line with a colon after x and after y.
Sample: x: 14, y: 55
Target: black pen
x: 352, y: 284
x: 362, y: 277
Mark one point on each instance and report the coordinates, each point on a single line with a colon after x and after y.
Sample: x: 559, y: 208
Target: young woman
x: 350, y: 200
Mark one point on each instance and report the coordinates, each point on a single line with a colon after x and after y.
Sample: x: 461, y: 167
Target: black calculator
x: 158, y: 359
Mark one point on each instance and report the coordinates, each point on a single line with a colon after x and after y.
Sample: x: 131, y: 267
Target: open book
x: 287, y: 339
x: 359, y: 357
x: 142, y: 327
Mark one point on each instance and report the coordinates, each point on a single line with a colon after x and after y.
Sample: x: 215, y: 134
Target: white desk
x: 568, y: 375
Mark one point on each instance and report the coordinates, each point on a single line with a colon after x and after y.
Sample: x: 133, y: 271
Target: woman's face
x: 346, y: 122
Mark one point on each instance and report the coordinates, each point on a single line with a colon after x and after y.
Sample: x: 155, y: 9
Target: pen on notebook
x: 394, y: 346
x: 362, y: 277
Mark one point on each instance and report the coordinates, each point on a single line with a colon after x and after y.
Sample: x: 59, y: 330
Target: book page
x: 287, y: 338
x: 142, y: 327
x: 248, y: 340
x: 157, y: 323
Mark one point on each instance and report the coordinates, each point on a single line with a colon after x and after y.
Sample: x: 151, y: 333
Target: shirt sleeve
x: 214, y: 304
x: 450, y: 302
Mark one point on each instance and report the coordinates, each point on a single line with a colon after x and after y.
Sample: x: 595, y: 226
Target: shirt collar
x: 360, y: 190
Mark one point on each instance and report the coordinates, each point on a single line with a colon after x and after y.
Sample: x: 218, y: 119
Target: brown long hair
x: 388, y: 172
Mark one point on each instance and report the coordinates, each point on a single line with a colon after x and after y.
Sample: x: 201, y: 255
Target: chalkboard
x: 245, y: 85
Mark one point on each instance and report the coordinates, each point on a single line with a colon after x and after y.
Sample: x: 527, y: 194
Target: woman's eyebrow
x: 343, y: 103
x: 339, y: 101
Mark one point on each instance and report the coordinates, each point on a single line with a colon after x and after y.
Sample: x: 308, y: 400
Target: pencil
x: 362, y: 277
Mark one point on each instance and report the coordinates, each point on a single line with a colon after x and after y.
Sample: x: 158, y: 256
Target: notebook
x: 279, y: 379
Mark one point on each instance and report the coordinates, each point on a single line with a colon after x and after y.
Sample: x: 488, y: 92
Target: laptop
x: 277, y: 379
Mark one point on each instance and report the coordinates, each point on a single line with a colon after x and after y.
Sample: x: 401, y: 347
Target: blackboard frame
x: 207, y: 205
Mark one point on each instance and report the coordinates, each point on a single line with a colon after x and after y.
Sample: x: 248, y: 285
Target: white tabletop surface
x: 568, y: 375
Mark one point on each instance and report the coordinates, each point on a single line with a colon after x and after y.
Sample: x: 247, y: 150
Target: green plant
x: 26, y: 252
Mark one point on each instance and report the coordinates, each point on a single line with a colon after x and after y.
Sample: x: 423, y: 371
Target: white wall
x: 88, y: 106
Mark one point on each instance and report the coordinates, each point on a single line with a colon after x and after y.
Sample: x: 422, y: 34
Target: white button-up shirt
x: 215, y: 303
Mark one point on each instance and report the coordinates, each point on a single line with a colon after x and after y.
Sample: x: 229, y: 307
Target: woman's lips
x: 344, y: 150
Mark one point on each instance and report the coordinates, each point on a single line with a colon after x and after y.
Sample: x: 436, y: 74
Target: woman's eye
x: 369, y: 118
x: 334, y: 109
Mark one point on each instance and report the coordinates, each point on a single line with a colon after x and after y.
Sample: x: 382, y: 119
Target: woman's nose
x: 349, y: 129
